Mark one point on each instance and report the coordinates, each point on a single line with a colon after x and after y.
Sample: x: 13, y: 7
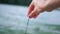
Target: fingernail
x: 30, y: 17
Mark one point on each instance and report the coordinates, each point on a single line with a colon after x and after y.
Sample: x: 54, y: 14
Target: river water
x: 13, y: 20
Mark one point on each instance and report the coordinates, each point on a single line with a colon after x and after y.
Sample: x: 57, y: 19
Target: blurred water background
x: 13, y: 20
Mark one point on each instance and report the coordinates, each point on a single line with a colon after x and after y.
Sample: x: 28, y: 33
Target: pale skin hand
x: 40, y: 6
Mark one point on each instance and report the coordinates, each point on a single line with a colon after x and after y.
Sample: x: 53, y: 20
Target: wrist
x: 58, y: 2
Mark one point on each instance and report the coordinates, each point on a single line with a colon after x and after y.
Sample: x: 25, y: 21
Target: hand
x: 38, y: 6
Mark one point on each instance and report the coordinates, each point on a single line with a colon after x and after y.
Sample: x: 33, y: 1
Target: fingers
x: 35, y: 12
x: 31, y: 8
x: 32, y: 14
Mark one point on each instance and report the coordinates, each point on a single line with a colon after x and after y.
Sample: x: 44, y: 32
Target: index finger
x: 31, y: 8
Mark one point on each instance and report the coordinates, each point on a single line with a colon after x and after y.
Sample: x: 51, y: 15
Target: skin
x: 38, y: 6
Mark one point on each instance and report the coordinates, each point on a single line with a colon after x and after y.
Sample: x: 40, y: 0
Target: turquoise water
x: 13, y: 20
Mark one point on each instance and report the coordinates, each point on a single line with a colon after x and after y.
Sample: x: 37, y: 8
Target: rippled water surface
x: 13, y: 20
